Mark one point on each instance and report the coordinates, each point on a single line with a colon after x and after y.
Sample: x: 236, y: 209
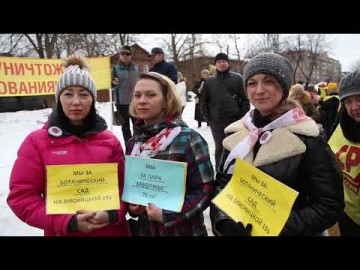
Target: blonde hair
x: 205, y: 71
x: 296, y: 88
x: 301, y: 96
x: 181, y: 78
x: 168, y: 89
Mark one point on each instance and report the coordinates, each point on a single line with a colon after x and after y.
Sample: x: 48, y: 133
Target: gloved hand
x: 229, y: 227
x: 222, y: 178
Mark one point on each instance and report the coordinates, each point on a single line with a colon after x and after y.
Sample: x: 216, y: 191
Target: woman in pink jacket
x: 74, y: 134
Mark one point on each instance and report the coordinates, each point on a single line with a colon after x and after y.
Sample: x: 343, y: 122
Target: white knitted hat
x: 76, y: 73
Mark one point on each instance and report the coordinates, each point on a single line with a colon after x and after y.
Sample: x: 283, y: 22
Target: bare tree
x: 9, y: 43
x: 195, y: 47
x: 49, y: 44
x: 67, y: 44
x: 177, y: 46
x: 91, y: 44
x: 315, y: 45
x: 43, y: 44
x: 222, y: 42
x: 266, y: 43
x: 236, y: 40
x: 296, y: 46
x: 55, y: 45
x: 273, y: 42
x: 307, y: 53
x: 126, y: 39
x: 116, y: 41
x: 183, y: 46
x: 248, y: 50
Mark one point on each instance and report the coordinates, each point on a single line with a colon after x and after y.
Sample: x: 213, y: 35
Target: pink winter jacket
x: 28, y: 177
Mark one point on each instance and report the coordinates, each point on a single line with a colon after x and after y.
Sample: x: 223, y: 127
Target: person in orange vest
x: 345, y: 143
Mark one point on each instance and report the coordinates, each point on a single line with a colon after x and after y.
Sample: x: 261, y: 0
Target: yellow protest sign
x: 252, y: 196
x: 91, y: 187
x: 38, y: 76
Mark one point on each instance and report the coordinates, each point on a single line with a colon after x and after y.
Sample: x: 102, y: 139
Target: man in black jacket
x: 161, y: 66
x: 223, y: 101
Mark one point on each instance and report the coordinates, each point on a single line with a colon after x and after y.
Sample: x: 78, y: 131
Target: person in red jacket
x: 73, y: 134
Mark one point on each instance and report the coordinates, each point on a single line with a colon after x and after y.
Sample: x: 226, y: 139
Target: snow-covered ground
x: 14, y: 127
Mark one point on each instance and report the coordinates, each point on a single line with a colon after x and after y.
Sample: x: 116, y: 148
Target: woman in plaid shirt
x: 160, y: 133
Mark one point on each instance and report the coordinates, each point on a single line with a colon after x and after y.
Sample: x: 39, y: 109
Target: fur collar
x: 284, y: 142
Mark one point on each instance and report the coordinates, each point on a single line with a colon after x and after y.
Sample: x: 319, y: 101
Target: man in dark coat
x: 161, y: 66
x: 223, y: 101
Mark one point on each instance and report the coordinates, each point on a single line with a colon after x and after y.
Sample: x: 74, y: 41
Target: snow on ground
x: 14, y: 127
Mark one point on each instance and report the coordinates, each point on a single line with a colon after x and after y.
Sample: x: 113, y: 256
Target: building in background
x: 314, y: 68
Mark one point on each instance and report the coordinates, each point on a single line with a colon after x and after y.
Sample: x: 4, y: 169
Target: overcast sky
x: 344, y: 47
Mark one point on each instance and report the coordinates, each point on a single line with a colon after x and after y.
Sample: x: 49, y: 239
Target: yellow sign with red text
x: 38, y: 76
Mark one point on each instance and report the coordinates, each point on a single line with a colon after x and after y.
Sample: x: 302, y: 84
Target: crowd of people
x: 305, y: 136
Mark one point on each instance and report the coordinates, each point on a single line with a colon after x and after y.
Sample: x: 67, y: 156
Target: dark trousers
x: 348, y: 227
x: 217, y: 131
x: 123, y: 109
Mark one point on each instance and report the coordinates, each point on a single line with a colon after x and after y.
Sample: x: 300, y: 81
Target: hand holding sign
x: 154, y: 213
x: 100, y: 217
x: 229, y: 227
x: 253, y: 197
x: 84, y: 223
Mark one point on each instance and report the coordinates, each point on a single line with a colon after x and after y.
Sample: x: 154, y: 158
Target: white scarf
x: 244, y: 147
x: 155, y: 144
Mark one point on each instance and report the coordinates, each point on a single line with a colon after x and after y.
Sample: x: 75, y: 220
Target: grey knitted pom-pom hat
x: 76, y: 73
x: 350, y: 85
x: 271, y: 64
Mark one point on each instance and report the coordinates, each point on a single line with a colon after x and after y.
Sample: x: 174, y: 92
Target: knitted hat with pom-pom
x: 76, y: 73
